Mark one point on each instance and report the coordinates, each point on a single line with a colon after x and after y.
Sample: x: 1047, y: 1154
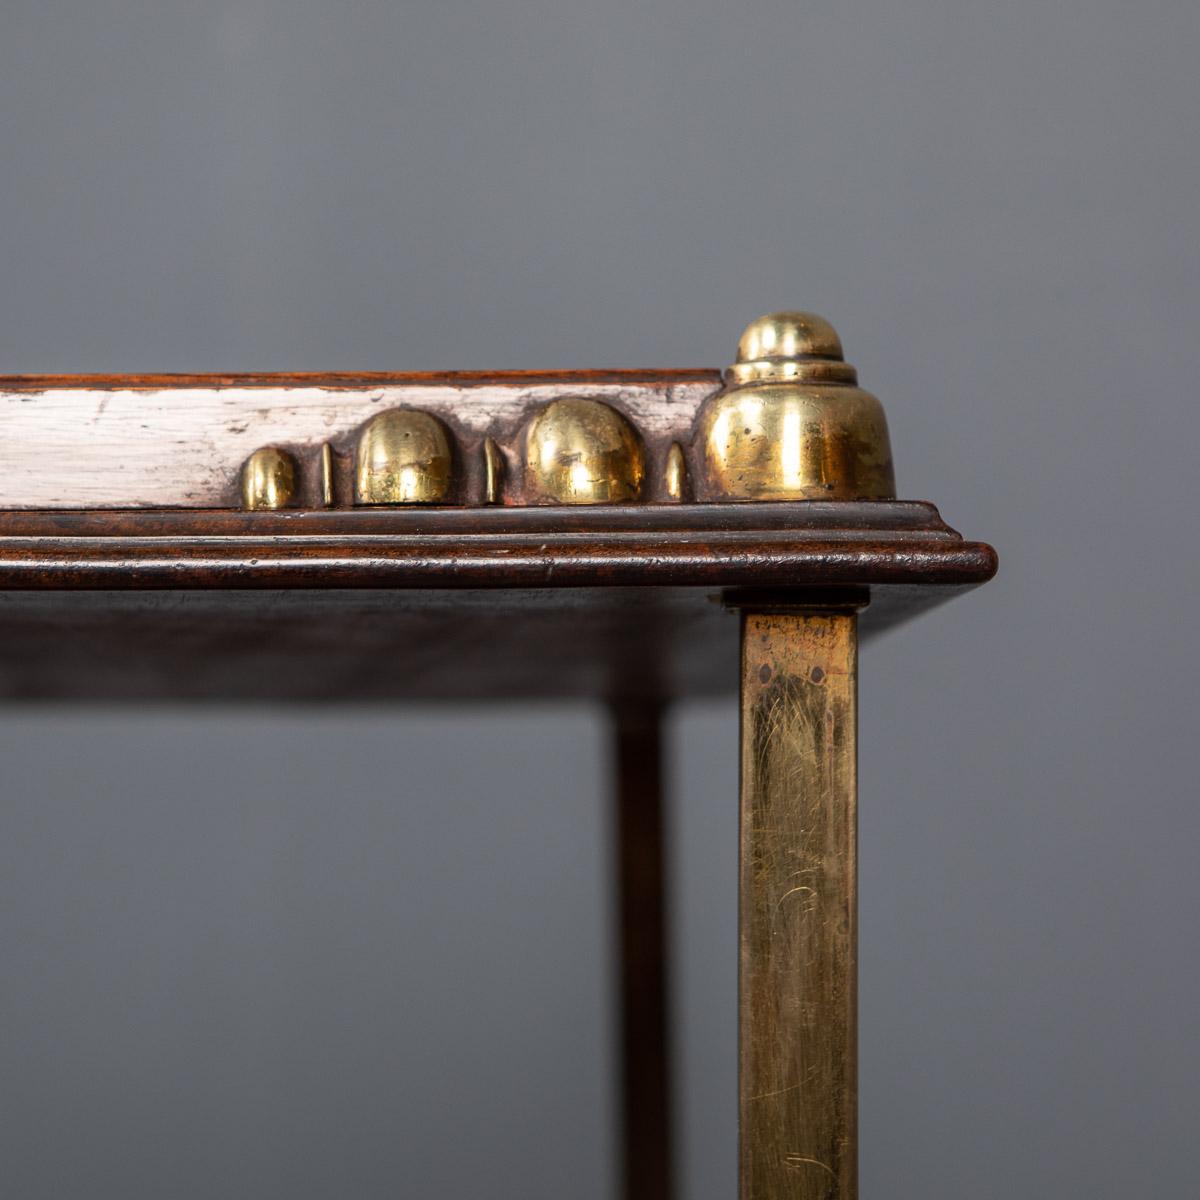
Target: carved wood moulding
x: 196, y: 442
x: 776, y: 473
x: 786, y: 422
x: 562, y: 533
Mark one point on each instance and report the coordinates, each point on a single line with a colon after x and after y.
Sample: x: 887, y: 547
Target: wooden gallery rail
x: 632, y: 536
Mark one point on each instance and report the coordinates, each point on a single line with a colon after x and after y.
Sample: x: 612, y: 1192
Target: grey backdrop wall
x: 366, y: 968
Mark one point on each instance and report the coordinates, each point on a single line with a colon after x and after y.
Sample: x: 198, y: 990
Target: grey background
x: 313, y: 954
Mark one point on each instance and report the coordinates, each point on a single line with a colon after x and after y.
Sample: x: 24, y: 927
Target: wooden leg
x: 645, y: 1077
x: 798, y: 899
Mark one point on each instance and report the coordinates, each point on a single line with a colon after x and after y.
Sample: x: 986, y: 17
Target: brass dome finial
x: 784, y: 335
x: 404, y: 457
x: 580, y: 451
x: 791, y: 423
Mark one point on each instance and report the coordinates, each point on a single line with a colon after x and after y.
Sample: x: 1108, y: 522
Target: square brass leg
x: 797, y: 907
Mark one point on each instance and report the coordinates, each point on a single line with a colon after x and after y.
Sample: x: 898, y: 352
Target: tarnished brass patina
x: 582, y: 452
x: 676, y: 476
x: 493, y: 471
x: 798, y: 907
x: 791, y: 424
x: 268, y: 479
x: 404, y: 457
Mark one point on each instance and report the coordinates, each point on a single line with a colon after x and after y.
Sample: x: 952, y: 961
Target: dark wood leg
x: 645, y: 1057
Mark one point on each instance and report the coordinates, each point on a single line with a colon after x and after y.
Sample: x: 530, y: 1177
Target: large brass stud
x: 404, y: 456
x: 268, y: 479
x: 791, y: 424
x: 582, y: 452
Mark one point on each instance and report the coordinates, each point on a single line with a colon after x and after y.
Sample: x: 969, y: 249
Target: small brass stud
x: 327, y: 475
x: 493, y: 470
x: 675, y: 476
x: 404, y: 457
x: 582, y: 452
x: 791, y: 423
x: 268, y: 479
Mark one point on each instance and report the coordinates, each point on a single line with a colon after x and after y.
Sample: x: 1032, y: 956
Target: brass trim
x: 675, y: 475
x: 791, y: 424
x: 404, y: 457
x: 268, y: 479
x: 327, y: 475
x: 788, y: 422
x: 797, y: 991
x: 493, y: 471
x: 580, y: 451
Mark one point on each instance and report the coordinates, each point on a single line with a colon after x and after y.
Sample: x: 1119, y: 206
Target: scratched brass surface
x: 798, y: 900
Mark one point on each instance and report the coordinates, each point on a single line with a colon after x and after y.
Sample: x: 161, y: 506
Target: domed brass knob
x: 582, y: 452
x: 791, y: 424
x: 404, y: 457
x: 780, y: 338
x: 268, y: 479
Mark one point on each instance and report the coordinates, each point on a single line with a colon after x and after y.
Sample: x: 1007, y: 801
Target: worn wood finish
x: 435, y: 603
x: 839, y: 518
x: 149, y: 381
x: 647, y: 1167
x: 156, y: 441
x: 798, y: 899
x: 730, y: 545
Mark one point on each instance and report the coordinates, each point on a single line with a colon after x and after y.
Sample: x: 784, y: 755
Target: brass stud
x: 791, y: 424
x: 404, y: 457
x: 582, y: 452
x: 327, y: 475
x: 493, y: 470
x: 268, y: 479
x: 675, y: 477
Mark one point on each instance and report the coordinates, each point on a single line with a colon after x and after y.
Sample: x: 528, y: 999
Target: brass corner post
x: 792, y: 424
x: 797, y: 888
